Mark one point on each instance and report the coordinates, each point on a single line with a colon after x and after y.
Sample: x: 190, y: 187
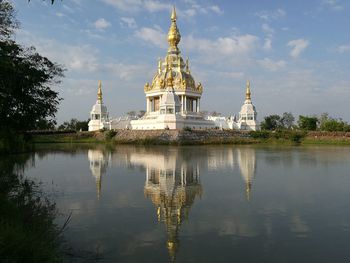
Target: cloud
x: 333, y: 5
x: 272, y: 65
x: 125, y: 5
x: 232, y: 75
x: 128, y: 71
x: 216, y: 9
x: 156, y: 6
x: 59, y: 14
x: 153, y: 6
x: 343, y: 48
x: 298, y: 46
x: 267, y: 29
x: 271, y: 15
x: 267, y: 44
x: 154, y: 36
x: 138, y: 5
x: 234, y: 45
x: 81, y: 58
x: 101, y: 24
x: 129, y: 22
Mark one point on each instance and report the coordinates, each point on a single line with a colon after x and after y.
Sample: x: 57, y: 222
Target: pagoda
x: 173, y: 97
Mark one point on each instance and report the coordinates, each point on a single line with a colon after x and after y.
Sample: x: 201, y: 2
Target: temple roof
x: 174, y: 64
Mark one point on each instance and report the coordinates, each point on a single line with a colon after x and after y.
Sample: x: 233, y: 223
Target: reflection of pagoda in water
x: 98, y: 166
x: 247, y: 164
x: 172, y: 183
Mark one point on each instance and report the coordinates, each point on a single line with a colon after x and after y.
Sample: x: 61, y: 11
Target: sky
x: 296, y: 54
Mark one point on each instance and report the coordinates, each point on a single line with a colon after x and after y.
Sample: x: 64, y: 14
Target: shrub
x: 110, y: 134
x: 260, y: 134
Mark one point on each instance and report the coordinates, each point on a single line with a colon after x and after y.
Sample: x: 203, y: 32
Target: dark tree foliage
x: 8, y: 22
x: 287, y: 120
x: 307, y: 123
x: 75, y: 125
x: 332, y: 125
x: 271, y: 123
x: 26, y: 98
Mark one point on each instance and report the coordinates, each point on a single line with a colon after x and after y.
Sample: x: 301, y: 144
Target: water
x: 202, y: 204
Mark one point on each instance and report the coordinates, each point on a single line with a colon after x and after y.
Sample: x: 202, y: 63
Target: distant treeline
x: 305, y: 123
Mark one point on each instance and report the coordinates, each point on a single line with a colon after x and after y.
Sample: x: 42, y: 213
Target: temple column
x: 182, y: 103
x: 147, y: 104
x: 185, y: 103
x: 199, y: 105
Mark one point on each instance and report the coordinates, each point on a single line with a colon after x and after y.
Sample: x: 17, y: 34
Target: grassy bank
x: 163, y: 137
x: 81, y: 137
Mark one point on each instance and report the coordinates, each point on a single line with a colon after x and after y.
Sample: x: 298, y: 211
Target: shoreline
x: 196, y: 137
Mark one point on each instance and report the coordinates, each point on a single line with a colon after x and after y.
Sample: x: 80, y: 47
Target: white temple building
x: 173, y: 99
x: 99, y: 114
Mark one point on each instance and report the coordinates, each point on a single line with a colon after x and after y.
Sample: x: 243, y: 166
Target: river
x: 201, y: 203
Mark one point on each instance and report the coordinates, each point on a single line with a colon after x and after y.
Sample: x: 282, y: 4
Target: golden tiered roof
x: 173, y: 64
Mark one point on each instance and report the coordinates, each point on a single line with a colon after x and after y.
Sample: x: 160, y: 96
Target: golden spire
x: 247, y: 92
x: 99, y: 92
x: 173, y: 14
x: 170, y: 78
x: 174, y: 36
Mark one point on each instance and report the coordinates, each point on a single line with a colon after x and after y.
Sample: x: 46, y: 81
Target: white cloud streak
x: 129, y: 22
x: 298, y: 46
x: 343, y: 48
x: 333, y: 5
x: 154, y: 36
x: 272, y: 65
x: 271, y: 15
x: 101, y: 24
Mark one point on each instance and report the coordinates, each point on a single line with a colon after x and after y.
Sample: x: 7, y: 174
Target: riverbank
x: 156, y: 137
x: 196, y: 137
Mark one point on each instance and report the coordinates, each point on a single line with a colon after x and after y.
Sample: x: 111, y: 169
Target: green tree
x: 141, y: 113
x: 307, y: 123
x: 75, y: 125
x: 287, y: 120
x: 131, y: 113
x: 26, y: 98
x: 271, y: 122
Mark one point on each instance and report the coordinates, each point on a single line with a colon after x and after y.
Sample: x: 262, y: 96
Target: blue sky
x: 295, y: 53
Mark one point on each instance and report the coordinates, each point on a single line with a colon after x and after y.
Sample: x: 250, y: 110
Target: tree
x: 307, y: 123
x: 26, y: 98
x: 141, y: 113
x: 330, y: 124
x: 287, y: 120
x: 131, y: 113
x: 271, y: 122
x: 75, y: 125
x: 215, y: 114
x: 8, y: 21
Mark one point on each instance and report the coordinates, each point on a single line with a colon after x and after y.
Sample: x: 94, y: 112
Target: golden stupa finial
x: 173, y: 14
x: 247, y: 92
x: 99, y: 92
x: 174, y: 36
